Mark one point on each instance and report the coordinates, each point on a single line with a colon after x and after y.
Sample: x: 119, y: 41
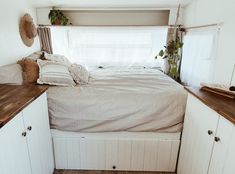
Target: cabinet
x: 223, y: 156
x: 25, y: 141
x: 208, y: 141
x: 13, y: 148
x: 121, y: 151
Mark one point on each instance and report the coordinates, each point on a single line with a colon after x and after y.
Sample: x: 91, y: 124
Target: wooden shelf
x: 14, y: 98
x: 222, y: 105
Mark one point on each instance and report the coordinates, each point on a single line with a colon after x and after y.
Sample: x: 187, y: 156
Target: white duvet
x: 119, y: 100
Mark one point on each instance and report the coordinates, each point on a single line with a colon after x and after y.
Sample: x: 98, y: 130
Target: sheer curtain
x: 116, y: 46
x: 199, y: 54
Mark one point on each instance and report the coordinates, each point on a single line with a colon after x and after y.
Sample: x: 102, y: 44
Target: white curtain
x: 116, y: 46
x: 199, y: 55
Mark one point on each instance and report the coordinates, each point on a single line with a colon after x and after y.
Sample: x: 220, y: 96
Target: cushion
x: 30, y: 70
x: 79, y: 73
x: 11, y: 74
x: 37, y: 55
x: 57, y: 58
x: 54, y: 73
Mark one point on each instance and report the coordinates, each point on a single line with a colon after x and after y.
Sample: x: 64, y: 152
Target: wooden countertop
x: 222, y: 105
x: 14, y: 98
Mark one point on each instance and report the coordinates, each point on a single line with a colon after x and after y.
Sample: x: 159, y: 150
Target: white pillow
x: 57, y: 58
x: 54, y: 73
x: 36, y: 55
x: 11, y: 74
x: 79, y: 73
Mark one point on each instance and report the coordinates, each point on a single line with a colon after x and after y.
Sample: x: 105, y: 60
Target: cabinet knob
x: 114, y: 167
x: 29, y: 128
x: 217, y: 139
x: 210, y: 132
x: 24, y: 134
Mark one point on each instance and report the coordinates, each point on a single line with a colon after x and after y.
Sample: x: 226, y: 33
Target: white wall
x: 201, y: 12
x: 12, y: 47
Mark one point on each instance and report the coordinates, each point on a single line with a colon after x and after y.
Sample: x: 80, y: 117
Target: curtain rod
x: 40, y: 25
x: 205, y: 26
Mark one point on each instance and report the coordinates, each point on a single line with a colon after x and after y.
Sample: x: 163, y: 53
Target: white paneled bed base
x: 116, y: 151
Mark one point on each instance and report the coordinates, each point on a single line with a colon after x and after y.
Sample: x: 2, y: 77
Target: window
x: 199, y: 54
x: 116, y: 46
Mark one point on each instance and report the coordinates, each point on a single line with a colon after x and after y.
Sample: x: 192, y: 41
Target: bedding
x: 79, y: 73
x: 30, y: 70
x: 121, y: 99
x: 11, y: 74
x: 54, y: 73
x: 57, y: 58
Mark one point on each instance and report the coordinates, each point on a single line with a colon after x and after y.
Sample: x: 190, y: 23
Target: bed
x: 124, y: 119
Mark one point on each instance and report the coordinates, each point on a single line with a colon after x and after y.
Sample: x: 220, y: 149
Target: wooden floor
x: 104, y: 172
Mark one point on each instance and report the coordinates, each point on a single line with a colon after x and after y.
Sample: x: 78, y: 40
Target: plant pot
x: 57, y: 22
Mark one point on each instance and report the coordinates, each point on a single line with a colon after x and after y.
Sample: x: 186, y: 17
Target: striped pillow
x: 54, y: 73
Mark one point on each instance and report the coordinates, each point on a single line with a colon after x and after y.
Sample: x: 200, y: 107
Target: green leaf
x: 161, y: 53
x: 57, y: 16
x: 181, y: 44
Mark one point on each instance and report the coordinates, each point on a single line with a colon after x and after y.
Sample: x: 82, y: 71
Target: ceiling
x: 110, y: 3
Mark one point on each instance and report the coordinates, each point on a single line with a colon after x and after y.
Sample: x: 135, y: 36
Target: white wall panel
x: 108, y: 151
x: 201, y: 12
x: 12, y: 47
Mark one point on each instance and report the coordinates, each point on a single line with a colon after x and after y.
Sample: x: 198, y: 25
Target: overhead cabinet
x: 208, y: 141
x: 25, y: 141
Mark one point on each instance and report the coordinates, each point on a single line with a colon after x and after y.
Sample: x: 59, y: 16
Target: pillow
x: 30, y: 70
x: 11, y: 74
x: 57, y: 58
x: 37, y: 55
x: 54, y: 73
x: 79, y: 73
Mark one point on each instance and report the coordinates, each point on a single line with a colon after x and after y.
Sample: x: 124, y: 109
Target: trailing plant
x: 57, y: 17
x: 172, y: 50
x: 172, y: 53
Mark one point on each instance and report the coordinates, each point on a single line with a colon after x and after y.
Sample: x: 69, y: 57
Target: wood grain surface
x: 14, y: 98
x: 222, y: 105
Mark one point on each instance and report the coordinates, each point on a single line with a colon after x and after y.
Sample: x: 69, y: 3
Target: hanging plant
x: 172, y: 53
x: 57, y: 17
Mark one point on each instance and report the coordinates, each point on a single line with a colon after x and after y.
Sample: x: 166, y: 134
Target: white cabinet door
x: 124, y: 155
x: 38, y: 136
x: 229, y: 166
x: 111, y: 147
x: 14, y: 158
x: 223, y: 157
x: 197, y: 144
x: 92, y: 154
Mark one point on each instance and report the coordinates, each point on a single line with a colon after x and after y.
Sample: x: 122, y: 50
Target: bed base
x: 116, y: 151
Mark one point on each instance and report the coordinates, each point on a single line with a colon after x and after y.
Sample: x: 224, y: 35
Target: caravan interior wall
x: 12, y: 47
x: 201, y: 12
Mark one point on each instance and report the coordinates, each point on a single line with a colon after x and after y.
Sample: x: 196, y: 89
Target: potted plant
x: 57, y: 17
